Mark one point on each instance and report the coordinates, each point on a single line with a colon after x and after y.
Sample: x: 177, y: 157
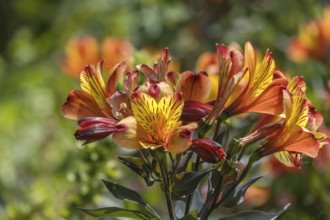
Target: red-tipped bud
x: 94, y: 129
x: 194, y: 111
x: 210, y: 151
x: 194, y: 86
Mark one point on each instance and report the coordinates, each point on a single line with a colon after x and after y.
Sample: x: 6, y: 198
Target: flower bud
x: 210, y: 151
x: 194, y: 111
x: 94, y: 129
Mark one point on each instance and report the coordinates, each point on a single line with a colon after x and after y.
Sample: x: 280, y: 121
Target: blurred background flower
x: 46, y: 174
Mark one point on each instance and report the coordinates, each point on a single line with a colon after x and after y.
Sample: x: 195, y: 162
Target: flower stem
x: 210, y: 203
x: 217, y: 129
x: 190, y: 197
x: 167, y: 185
x: 252, y: 159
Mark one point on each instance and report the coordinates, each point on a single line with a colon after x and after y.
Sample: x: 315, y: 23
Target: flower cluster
x: 157, y: 111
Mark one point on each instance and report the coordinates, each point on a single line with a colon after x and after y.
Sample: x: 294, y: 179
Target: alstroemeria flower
x: 294, y: 139
x: 155, y: 124
x: 263, y: 93
x: 80, y: 52
x: 91, y: 100
x: 115, y: 50
x: 83, y: 51
x: 312, y: 40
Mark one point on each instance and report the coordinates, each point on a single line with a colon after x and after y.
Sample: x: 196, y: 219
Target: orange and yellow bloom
x: 162, y: 112
x: 312, y: 41
x: 294, y: 138
x: 83, y: 51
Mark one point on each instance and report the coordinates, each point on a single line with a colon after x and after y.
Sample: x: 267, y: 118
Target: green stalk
x: 209, y: 205
x: 254, y: 157
x: 190, y: 197
x: 167, y: 185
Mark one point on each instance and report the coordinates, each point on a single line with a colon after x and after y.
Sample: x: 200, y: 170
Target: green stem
x: 210, y: 204
x: 175, y: 168
x: 190, y: 197
x: 241, y: 153
x: 252, y: 159
x: 217, y: 129
x: 167, y: 185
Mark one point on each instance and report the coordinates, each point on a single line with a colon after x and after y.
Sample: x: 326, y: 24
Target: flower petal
x: 194, y: 86
x: 91, y: 82
x: 80, y: 104
x: 181, y: 138
x: 301, y: 141
x: 115, y: 74
x: 125, y: 134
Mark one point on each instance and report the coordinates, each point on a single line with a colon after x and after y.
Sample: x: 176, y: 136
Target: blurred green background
x: 46, y: 174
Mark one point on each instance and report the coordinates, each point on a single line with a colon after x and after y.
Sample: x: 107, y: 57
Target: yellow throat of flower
x: 158, y: 119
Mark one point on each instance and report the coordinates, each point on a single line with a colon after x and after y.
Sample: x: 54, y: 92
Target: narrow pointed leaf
x: 139, y: 166
x: 187, y: 182
x: 123, y: 193
x: 255, y: 215
x: 237, y: 196
x: 116, y: 212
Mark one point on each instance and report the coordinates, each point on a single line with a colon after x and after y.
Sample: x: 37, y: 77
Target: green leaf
x: 123, y: 193
x: 192, y: 215
x: 255, y: 215
x: 116, y: 212
x: 139, y: 166
x: 187, y: 182
x: 237, y: 195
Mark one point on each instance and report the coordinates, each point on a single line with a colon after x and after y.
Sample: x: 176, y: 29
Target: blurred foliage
x: 46, y: 174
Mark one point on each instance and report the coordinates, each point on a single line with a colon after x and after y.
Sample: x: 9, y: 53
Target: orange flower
x: 83, y: 51
x: 115, y: 50
x: 312, y: 40
x: 262, y: 93
x: 80, y: 52
x: 294, y: 138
